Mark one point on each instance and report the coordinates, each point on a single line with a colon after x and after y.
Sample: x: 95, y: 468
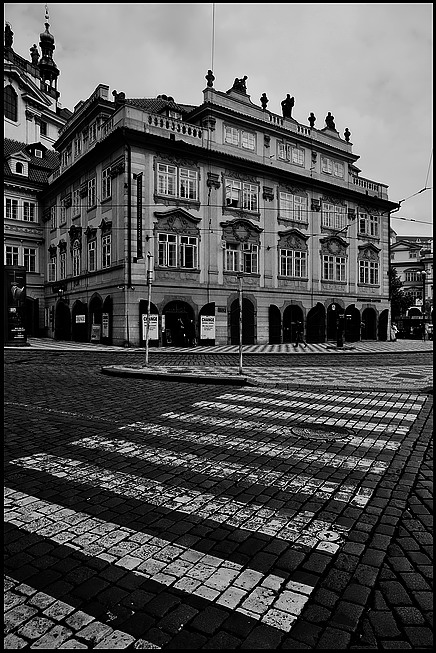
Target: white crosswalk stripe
x: 350, y: 493
x: 303, y: 529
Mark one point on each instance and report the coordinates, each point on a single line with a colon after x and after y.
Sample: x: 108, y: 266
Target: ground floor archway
x: 274, y: 325
x: 369, y: 324
x: 315, y: 324
x: 291, y: 315
x: 79, y: 322
x: 179, y: 324
x: 248, y: 322
x: 62, y: 329
x: 208, y: 327
x: 352, y: 324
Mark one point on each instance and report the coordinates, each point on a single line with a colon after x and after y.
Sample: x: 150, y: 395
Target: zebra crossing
x: 309, y: 455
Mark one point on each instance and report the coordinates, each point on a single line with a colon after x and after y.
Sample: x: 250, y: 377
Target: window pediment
x: 240, y: 231
x: 292, y: 239
x: 335, y: 245
x: 177, y: 221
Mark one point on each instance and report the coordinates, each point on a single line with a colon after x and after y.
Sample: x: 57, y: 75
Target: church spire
x: 48, y: 69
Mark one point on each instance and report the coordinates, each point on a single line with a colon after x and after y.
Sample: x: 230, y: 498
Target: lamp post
x: 149, y: 280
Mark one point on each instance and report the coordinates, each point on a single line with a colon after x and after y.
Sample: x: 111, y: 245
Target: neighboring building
x: 212, y: 196
x: 412, y: 257
x: 32, y: 120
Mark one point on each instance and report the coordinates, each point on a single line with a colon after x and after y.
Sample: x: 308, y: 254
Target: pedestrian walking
x: 299, y: 334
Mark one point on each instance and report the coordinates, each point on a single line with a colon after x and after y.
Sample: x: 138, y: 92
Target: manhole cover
x: 321, y: 432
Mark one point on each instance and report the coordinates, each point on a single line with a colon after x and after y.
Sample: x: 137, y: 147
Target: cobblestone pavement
x: 147, y: 514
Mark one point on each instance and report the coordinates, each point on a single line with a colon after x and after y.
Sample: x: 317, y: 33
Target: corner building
x: 213, y: 203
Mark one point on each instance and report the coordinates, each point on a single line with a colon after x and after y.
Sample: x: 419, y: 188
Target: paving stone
x: 116, y: 639
x: 263, y: 637
x: 222, y: 640
x: 419, y: 636
x: 409, y: 616
x: 333, y: 639
x: 54, y: 638
x: 209, y: 620
x: 36, y: 627
x: 13, y: 642
x: 384, y: 624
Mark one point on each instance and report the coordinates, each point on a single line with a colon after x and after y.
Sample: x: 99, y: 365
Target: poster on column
x: 153, y: 333
x: 207, y: 327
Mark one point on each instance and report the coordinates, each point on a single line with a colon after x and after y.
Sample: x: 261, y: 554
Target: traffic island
x: 175, y: 374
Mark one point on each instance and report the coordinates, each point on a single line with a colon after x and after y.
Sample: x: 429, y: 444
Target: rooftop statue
x: 287, y: 105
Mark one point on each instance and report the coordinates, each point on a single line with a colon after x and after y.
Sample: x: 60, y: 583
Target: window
x: 30, y: 259
x: 11, y: 104
x: 293, y: 263
x: 188, y: 251
x: 175, y: 114
x: 241, y: 258
x: 240, y: 138
x: 241, y: 195
x: 330, y: 167
x: 78, y: 145
x: 106, y: 187
x: 333, y: 216
x: 177, y: 182
x: 92, y: 255
x: 167, y: 250
x: 38, y: 154
x: 76, y: 258
x: 93, y: 132
x: 369, y: 225
x: 76, y: 202
x: 293, y: 207
x: 177, y: 251
x: 66, y: 156
x: 29, y: 211
x: 19, y: 169
x: 63, y: 217
x: 52, y: 269
x: 413, y: 254
x: 11, y: 209
x: 334, y: 268
x: 63, y: 265
x: 292, y: 153
x: 106, y: 242
x: 188, y: 184
x: 92, y: 196
x: 53, y: 217
x: 42, y: 129
x: 12, y: 255
x: 368, y: 272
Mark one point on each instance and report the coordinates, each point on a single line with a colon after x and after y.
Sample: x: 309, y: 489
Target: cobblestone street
x: 147, y: 513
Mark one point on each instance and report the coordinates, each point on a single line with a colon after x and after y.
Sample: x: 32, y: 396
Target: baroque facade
x: 32, y: 120
x: 216, y: 204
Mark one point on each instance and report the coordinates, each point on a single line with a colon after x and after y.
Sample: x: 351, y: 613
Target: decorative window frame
x: 293, y: 241
x: 334, y: 248
x: 339, y: 211
x: 178, y: 239
x: 247, y: 184
x: 240, y: 138
x: 241, y: 244
x: 369, y: 224
x: 294, y: 192
x: 181, y: 180
x: 292, y: 153
x: 368, y: 264
x: 332, y: 167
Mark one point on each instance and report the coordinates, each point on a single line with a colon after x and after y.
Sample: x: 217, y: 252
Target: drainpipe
x: 129, y: 212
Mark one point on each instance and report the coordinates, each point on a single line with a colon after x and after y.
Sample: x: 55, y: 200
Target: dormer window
x: 19, y: 169
x: 175, y: 114
x: 38, y: 154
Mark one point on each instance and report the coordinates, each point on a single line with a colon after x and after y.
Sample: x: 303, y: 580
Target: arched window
x: 19, y: 168
x: 11, y: 104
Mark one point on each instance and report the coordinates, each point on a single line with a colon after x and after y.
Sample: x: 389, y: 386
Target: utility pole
x: 147, y: 328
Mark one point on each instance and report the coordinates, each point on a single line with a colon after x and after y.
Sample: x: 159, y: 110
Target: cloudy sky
x: 369, y: 64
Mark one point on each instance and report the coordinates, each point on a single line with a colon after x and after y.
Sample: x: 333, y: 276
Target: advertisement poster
x: 207, y: 327
x: 15, y: 295
x: 153, y: 333
x: 105, y: 325
x: 95, y: 332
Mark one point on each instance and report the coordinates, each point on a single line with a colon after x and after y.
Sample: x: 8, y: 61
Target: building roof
x: 39, y: 168
x: 156, y: 105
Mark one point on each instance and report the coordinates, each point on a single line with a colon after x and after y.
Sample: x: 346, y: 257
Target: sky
x: 369, y: 64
